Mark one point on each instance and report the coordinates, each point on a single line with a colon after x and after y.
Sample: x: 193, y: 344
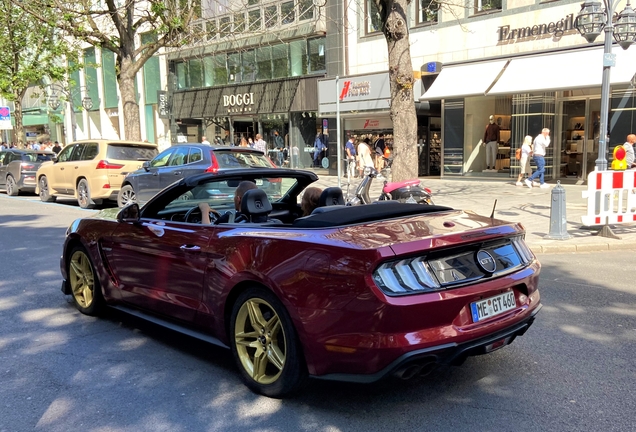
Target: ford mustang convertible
x: 350, y: 293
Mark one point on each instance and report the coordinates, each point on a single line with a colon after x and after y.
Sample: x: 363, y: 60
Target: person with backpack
x: 524, y: 159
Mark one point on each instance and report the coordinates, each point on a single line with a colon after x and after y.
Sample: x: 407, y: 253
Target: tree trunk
x: 19, y: 135
x: 396, y: 32
x: 126, y: 81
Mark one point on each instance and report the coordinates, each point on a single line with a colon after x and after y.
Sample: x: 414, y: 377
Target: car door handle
x: 177, y: 173
x: 155, y: 173
x: 61, y: 168
x: 190, y: 248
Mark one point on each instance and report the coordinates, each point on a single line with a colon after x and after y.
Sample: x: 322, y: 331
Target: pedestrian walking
x: 364, y: 156
x: 56, y: 147
x: 539, y: 146
x: 524, y: 162
x: 350, y: 150
x: 379, y: 145
x: 629, y: 151
x: 204, y: 140
x: 319, y: 148
x: 279, y: 145
x: 260, y: 143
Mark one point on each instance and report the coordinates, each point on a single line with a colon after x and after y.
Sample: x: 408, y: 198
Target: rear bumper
x: 420, y: 360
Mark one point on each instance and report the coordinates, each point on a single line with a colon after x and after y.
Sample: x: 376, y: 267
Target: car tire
x: 265, y: 345
x: 84, y: 195
x: 84, y: 283
x: 45, y: 192
x: 126, y: 196
x: 12, y: 187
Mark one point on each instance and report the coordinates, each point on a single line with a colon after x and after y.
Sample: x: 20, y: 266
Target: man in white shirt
x: 539, y: 146
x: 260, y: 143
x: 629, y: 150
x: 204, y: 140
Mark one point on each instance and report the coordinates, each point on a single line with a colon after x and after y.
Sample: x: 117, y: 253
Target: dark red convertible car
x: 353, y: 293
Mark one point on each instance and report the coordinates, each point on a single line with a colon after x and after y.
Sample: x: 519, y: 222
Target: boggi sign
x: 238, y: 100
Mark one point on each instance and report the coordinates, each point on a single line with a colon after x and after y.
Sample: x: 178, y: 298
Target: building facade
x: 521, y: 61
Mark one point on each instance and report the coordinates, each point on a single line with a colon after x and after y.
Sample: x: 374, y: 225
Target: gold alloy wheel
x: 81, y: 279
x: 260, y: 341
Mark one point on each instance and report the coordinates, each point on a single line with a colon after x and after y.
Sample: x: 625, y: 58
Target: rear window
x: 130, y: 152
x: 235, y: 159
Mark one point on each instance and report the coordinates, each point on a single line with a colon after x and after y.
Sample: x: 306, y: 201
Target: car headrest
x: 254, y: 204
x: 331, y: 196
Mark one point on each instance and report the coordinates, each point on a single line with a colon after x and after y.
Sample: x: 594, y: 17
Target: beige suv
x: 91, y: 170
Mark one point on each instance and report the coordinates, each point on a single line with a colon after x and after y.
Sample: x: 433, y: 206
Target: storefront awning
x: 464, y: 80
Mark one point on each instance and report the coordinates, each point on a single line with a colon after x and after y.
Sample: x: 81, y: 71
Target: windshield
x: 220, y: 194
x: 236, y: 159
x: 37, y: 157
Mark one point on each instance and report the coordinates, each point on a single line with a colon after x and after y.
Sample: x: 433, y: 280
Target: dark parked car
x: 352, y: 293
x: 182, y: 160
x: 18, y: 168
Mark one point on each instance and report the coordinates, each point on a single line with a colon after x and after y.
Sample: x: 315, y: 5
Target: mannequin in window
x: 491, y: 141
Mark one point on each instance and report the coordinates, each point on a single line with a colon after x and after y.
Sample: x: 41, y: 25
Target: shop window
x: 280, y: 61
x: 211, y: 29
x: 249, y: 66
x: 225, y: 26
x: 264, y: 63
x: 305, y: 10
x: 287, y: 12
x: 271, y: 16
x: 196, y: 73
x: 372, y: 17
x: 317, y: 61
x: 254, y: 19
x: 298, y: 55
x: 487, y: 5
x: 234, y: 67
x: 427, y: 11
x: 239, y: 23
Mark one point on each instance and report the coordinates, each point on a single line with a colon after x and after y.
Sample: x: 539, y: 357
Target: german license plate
x: 493, y: 306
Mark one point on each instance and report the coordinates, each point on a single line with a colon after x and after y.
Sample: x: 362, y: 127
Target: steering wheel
x: 214, y: 215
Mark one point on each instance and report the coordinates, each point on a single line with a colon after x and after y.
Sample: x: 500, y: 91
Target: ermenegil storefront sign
x: 555, y: 29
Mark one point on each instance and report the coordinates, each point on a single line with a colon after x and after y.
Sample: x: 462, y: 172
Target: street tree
x: 117, y: 27
x: 29, y: 52
x: 394, y: 22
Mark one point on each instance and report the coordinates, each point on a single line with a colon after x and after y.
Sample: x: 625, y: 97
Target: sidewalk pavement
x: 531, y: 207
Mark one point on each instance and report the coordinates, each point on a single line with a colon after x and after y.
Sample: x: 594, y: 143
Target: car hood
x: 426, y: 231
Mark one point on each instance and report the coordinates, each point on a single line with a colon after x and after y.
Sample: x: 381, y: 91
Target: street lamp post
x: 592, y: 19
x: 54, y: 101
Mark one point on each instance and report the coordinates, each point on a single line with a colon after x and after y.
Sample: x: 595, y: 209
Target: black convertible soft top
x: 349, y: 215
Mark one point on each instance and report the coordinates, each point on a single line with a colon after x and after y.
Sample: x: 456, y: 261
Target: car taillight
x: 27, y: 166
x: 214, y: 168
x: 104, y: 164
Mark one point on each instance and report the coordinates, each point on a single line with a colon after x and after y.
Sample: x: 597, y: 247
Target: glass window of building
x: 271, y: 16
x: 254, y: 17
x: 208, y: 72
x: 211, y: 29
x: 220, y: 69
x: 234, y: 67
x: 195, y: 67
x: 305, y: 10
x: 298, y: 55
x: 317, y: 61
x: 252, y: 2
x: 225, y: 26
x: 372, y: 17
x: 182, y: 75
x: 249, y: 66
x: 264, y: 63
x: 487, y: 5
x: 427, y: 11
x: 287, y: 12
x: 280, y: 61
x: 239, y: 23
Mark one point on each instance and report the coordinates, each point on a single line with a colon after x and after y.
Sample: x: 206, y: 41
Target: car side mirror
x: 130, y: 213
x: 54, y: 159
x: 146, y: 165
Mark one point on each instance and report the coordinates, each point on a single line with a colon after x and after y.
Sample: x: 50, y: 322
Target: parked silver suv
x: 18, y: 168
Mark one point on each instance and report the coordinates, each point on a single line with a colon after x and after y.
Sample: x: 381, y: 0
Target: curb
x: 589, y: 247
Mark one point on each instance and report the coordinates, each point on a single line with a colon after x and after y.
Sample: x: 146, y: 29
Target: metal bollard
x: 558, y: 220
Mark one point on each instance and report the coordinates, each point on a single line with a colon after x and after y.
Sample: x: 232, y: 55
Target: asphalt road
x: 62, y: 371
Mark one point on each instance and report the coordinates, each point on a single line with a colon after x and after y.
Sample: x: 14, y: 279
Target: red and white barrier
x: 611, y: 197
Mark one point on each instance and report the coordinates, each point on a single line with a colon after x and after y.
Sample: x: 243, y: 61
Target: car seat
x: 330, y: 199
x: 256, y: 207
